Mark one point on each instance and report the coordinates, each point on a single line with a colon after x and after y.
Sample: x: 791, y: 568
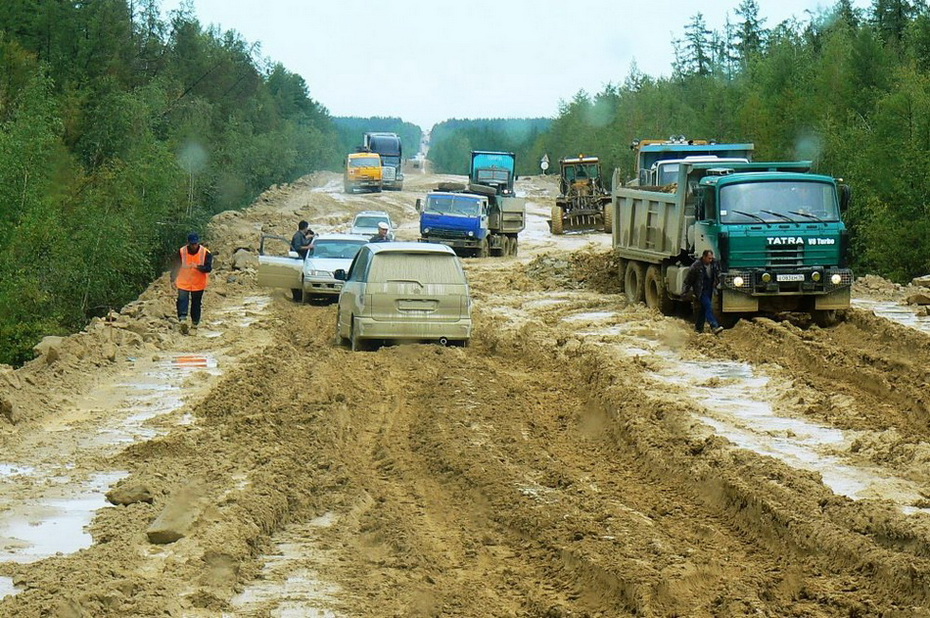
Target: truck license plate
x: 789, y: 277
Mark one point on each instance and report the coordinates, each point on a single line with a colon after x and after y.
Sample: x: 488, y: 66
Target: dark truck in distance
x: 495, y: 170
x: 388, y: 146
x: 774, y: 227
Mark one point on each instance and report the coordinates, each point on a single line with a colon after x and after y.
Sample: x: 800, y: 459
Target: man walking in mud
x: 701, y: 283
x: 191, y: 280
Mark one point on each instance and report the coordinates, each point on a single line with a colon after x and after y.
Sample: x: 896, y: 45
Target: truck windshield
x: 365, y: 162
x: 488, y: 175
x: 668, y: 173
x: 778, y: 201
x: 453, y: 205
x: 581, y: 172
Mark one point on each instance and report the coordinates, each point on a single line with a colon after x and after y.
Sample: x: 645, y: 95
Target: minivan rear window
x: 425, y: 268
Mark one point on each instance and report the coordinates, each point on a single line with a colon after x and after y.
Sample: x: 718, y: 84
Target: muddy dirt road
x: 581, y: 458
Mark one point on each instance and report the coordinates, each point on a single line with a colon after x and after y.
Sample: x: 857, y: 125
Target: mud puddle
x: 55, y: 524
x: 7, y: 589
x: 49, y: 499
x: 896, y: 312
x: 250, y: 311
x: 289, y: 586
x: 736, y: 404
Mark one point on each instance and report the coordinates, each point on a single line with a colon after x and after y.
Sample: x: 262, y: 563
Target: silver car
x: 366, y: 223
x: 312, y: 276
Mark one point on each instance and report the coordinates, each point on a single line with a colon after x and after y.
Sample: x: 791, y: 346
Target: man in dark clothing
x: 382, y: 235
x: 701, y: 282
x: 302, y: 239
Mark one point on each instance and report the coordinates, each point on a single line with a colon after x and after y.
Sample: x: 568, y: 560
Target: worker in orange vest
x: 191, y: 280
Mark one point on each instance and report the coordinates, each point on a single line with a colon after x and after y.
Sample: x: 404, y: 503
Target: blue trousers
x: 705, y: 313
x: 194, y: 299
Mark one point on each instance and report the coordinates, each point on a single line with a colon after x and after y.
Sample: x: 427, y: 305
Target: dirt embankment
x: 550, y: 469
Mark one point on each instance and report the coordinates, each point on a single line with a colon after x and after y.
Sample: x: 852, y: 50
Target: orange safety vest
x: 189, y: 278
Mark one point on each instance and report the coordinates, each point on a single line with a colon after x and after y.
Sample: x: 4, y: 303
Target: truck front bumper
x: 783, y: 290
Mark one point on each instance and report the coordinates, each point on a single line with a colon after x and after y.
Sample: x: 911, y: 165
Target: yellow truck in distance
x: 363, y: 171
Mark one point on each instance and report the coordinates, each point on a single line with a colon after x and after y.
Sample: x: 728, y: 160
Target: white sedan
x: 311, y: 277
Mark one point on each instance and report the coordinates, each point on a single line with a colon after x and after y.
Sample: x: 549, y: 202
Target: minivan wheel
x: 340, y: 340
x: 355, y: 342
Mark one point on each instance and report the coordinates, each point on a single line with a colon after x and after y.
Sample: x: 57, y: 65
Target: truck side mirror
x: 419, y: 205
x: 845, y: 197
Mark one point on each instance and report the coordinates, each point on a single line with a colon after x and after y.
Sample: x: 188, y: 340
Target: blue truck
x: 482, y: 218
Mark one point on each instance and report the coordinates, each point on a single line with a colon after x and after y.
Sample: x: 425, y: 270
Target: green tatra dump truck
x: 775, y: 228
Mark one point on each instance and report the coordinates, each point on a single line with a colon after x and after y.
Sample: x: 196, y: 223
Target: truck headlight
x: 836, y: 279
x: 766, y: 277
x: 426, y: 230
x: 738, y: 281
x: 816, y: 276
x: 471, y: 234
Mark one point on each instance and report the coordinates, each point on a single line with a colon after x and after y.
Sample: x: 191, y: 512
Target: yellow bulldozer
x: 583, y: 199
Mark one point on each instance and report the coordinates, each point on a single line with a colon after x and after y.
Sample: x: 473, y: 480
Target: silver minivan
x: 404, y: 291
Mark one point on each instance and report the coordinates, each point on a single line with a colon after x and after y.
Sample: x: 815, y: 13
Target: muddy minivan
x: 404, y: 291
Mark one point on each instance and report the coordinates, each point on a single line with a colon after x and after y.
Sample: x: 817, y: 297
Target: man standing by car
x: 302, y: 239
x: 382, y: 235
x: 701, y: 282
x: 191, y: 280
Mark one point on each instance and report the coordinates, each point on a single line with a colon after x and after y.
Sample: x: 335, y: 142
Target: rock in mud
x: 130, y: 495
x: 9, y: 410
x: 243, y: 259
x: 176, y: 520
x: 923, y: 281
x: 50, y: 348
x: 918, y: 299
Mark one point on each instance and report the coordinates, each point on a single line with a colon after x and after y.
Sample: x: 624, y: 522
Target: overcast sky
x: 430, y: 60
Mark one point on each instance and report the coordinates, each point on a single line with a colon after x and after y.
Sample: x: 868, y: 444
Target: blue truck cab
x: 459, y: 220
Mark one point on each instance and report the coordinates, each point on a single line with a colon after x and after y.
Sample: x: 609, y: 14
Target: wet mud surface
x: 582, y: 457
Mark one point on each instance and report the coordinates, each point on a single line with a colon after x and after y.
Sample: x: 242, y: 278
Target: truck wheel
x: 656, y: 293
x: 513, y: 246
x: 608, y: 219
x: 484, y: 250
x: 556, y: 220
x: 634, y: 280
x: 824, y: 318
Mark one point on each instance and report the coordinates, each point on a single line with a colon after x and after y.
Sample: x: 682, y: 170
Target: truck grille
x: 785, y: 256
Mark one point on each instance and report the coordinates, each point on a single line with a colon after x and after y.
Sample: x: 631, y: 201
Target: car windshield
x: 369, y: 221
x: 778, y: 201
x: 365, y: 162
x: 337, y: 249
x: 453, y: 205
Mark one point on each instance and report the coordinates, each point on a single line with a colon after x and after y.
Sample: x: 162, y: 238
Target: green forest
x: 351, y: 129
x: 452, y: 141
x: 120, y: 131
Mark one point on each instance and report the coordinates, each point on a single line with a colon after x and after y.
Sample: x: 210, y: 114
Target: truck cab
x: 459, y: 220
x: 493, y: 169
x: 650, y: 152
x: 389, y: 148
x: 362, y: 171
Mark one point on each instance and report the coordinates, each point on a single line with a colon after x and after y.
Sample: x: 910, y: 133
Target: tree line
x: 352, y: 129
x: 452, y: 141
x: 119, y: 132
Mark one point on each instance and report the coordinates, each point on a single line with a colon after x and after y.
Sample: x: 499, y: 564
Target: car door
x: 279, y: 271
x: 353, y: 292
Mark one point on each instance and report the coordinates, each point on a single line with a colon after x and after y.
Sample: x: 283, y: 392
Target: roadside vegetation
x: 119, y: 132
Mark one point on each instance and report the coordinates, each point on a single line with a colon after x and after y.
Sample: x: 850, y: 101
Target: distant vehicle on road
x: 366, y: 223
x: 404, y: 291
x: 389, y: 147
x: 363, y: 171
x: 311, y: 277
